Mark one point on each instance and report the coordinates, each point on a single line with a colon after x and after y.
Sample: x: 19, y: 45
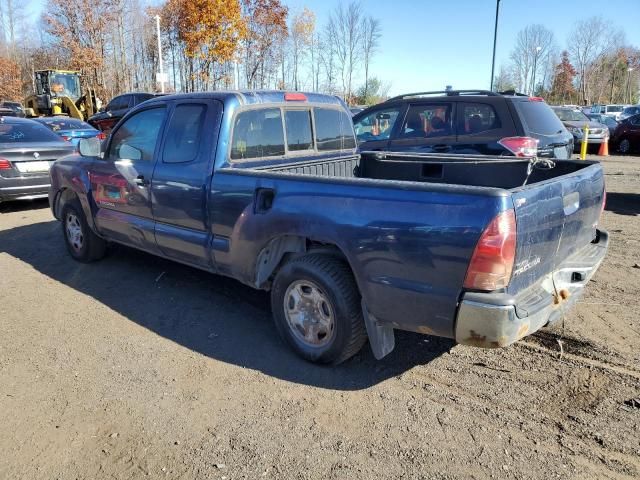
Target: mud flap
x: 381, y: 337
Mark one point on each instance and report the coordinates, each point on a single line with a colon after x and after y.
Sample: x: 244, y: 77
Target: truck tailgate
x: 554, y: 219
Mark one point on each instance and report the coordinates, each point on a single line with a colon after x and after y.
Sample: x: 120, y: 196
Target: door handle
x: 263, y: 200
x: 140, y: 180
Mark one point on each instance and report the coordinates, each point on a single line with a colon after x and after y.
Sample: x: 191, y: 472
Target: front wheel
x: 83, y: 245
x: 624, y: 146
x: 316, y: 308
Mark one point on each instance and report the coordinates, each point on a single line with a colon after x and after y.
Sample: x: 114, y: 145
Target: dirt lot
x: 136, y: 367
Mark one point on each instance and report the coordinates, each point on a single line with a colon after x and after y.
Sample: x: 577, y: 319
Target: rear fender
x: 75, y: 185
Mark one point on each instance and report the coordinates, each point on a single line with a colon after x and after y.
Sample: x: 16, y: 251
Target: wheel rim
x: 624, y: 146
x: 75, y: 237
x: 309, y: 313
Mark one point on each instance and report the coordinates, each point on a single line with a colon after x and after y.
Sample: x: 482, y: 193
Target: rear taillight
x: 536, y: 99
x: 66, y: 138
x: 521, y: 146
x: 492, y: 261
x: 295, y: 97
x: 5, y: 164
x: 101, y: 136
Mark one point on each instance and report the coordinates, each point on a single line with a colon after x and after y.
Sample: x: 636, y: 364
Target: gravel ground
x: 136, y: 367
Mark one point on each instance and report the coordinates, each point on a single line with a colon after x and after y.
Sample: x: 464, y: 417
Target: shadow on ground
x: 623, y: 203
x: 24, y: 205
x: 212, y: 315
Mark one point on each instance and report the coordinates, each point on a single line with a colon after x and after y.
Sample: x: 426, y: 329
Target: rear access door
x: 181, y: 177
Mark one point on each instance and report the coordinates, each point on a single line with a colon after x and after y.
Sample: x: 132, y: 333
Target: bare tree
x: 371, y: 33
x: 345, y: 31
x: 589, y: 43
x: 535, y: 45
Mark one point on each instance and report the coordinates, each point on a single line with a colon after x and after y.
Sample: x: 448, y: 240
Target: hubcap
x: 624, y: 146
x: 309, y: 313
x: 74, y: 231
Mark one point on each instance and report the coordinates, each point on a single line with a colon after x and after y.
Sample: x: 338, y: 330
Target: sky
x: 429, y: 44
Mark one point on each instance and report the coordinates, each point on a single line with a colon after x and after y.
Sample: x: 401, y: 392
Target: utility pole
x: 495, y: 37
x: 629, y: 70
x: 160, y: 76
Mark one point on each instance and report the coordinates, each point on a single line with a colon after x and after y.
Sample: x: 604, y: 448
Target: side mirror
x: 90, y: 147
x: 130, y: 153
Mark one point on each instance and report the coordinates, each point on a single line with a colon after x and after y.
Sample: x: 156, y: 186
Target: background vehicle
x: 357, y: 109
x: 613, y: 111
x: 630, y: 112
x: 27, y: 150
x: 15, y: 107
x: 626, y: 137
x: 267, y: 188
x: 605, y: 120
x: 70, y: 129
x: 59, y: 92
x: 461, y: 122
x: 108, y: 116
x: 575, y: 120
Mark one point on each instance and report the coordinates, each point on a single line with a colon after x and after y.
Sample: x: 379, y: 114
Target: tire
x: 624, y: 146
x: 322, y: 287
x: 83, y: 245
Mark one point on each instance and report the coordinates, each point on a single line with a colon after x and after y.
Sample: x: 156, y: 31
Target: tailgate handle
x: 571, y: 203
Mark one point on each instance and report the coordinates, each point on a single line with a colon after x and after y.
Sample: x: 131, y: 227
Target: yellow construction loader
x: 58, y: 92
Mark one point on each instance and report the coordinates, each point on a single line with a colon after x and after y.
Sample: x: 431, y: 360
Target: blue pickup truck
x: 269, y: 188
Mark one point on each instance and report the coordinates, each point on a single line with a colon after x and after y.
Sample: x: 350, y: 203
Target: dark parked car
x: 108, y: 116
x: 267, y: 188
x: 630, y: 112
x: 70, y: 129
x: 461, y: 122
x: 15, y: 107
x: 605, y: 120
x: 27, y: 150
x: 626, y: 137
x: 575, y: 120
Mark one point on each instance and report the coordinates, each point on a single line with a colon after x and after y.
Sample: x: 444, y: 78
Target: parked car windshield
x: 614, y: 108
x: 570, y: 115
x: 27, y: 131
x: 539, y: 118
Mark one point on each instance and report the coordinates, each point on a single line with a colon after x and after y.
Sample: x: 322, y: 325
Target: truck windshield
x: 65, y: 85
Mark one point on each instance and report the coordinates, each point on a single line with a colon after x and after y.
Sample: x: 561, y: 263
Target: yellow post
x: 585, y: 140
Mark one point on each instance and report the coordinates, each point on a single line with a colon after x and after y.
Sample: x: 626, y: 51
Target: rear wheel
x: 624, y: 146
x: 83, y: 245
x: 316, y: 308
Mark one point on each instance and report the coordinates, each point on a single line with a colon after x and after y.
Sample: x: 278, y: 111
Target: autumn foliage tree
x: 562, y: 89
x: 10, y: 80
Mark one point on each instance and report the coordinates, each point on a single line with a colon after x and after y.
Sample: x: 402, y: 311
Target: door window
x: 184, y: 133
x: 298, y: 125
x: 118, y: 103
x: 136, y: 138
x: 478, y: 117
x: 334, y: 129
x: 427, y: 121
x: 257, y: 133
x: 377, y: 125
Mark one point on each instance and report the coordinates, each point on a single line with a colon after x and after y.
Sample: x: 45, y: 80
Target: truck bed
x: 474, y: 171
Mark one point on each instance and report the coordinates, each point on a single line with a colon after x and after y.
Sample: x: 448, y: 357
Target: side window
x: 257, y: 133
x: 425, y: 121
x: 476, y: 118
x: 377, y: 125
x: 136, y: 138
x: 183, y: 133
x: 298, y: 125
x: 334, y: 129
x: 635, y: 120
x: 118, y: 103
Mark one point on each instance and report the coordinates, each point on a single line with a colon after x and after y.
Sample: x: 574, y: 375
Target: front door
x: 121, y: 183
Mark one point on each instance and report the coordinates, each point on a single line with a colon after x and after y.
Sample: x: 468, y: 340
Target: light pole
x: 535, y: 67
x: 495, y: 37
x: 629, y: 70
x: 160, y: 75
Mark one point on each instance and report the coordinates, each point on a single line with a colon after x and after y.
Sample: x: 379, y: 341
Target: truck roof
x: 249, y: 97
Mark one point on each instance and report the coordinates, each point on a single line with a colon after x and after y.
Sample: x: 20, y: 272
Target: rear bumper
x: 492, y: 320
x: 24, y: 188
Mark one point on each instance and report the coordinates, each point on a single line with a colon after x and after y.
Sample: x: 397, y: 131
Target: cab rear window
x: 258, y: 133
x: 334, y: 129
